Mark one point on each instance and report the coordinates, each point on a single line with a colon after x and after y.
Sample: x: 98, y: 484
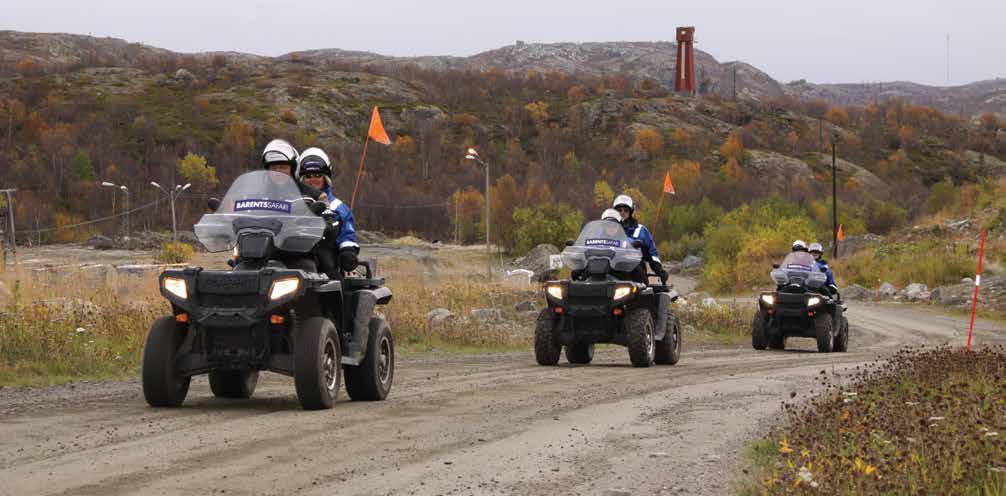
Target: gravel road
x: 486, y: 424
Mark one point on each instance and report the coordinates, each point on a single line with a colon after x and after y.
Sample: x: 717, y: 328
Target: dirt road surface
x: 492, y: 424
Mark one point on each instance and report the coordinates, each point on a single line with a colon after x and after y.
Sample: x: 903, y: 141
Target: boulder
x: 697, y: 297
x: 537, y: 261
x: 991, y: 294
x: 887, y: 290
x: 371, y: 237
x: 439, y: 316
x: 691, y: 263
x: 710, y: 302
x: 856, y: 292
x: 100, y: 242
x: 966, y: 280
x: 487, y: 314
x: 519, y: 276
x: 526, y: 306
x: 917, y: 292
x: 184, y: 75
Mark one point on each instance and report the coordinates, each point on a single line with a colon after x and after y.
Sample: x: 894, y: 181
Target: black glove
x: 317, y: 207
x: 347, y: 259
x: 658, y: 269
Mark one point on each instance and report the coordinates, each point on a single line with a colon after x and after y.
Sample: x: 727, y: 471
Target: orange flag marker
x: 376, y: 133
x: 840, y: 236
x: 668, y: 186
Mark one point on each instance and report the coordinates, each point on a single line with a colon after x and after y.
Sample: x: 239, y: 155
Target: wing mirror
x: 775, y: 266
x: 569, y: 242
x: 213, y: 204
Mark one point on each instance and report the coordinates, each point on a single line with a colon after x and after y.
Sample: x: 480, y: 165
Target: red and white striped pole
x: 978, y: 281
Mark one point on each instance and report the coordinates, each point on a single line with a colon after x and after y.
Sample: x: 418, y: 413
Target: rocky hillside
x: 969, y: 99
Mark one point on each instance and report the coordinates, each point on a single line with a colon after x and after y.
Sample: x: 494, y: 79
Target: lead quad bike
x: 272, y: 311
x: 801, y: 306
x: 605, y: 301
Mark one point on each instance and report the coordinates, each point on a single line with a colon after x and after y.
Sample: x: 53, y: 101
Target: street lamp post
x: 125, y: 190
x: 172, y: 195
x: 474, y: 155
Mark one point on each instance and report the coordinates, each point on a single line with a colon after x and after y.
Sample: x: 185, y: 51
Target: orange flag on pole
x: 377, y: 132
x: 668, y: 186
x: 840, y: 236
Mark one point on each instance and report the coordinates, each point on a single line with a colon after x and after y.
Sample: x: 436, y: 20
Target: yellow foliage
x: 176, y: 252
x: 650, y: 141
x: 733, y: 148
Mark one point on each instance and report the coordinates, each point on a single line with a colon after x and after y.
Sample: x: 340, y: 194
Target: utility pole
x: 948, y: 59
x: 457, y: 219
x: 834, y: 204
x: 735, y: 81
x: 474, y: 155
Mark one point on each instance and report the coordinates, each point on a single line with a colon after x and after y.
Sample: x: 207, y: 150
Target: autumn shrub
x: 741, y: 247
x: 175, y: 252
x: 923, y: 421
x: 718, y: 323
x: 553, y: 224
x: 689, y: 244
x: 934, y: 262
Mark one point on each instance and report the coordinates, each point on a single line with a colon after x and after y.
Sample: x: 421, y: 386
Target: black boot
x: 357, y: 348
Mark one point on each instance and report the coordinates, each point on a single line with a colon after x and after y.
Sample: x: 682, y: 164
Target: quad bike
x: 605, y: 301
x: 801, y: 306
x: 272, y: 311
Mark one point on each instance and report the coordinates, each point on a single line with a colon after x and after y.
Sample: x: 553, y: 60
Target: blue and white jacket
x: 347, y: 231
x: 827, y: 270
x: 635, y: 230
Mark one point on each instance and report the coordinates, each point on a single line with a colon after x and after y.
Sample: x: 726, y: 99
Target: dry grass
x: 925, y: 421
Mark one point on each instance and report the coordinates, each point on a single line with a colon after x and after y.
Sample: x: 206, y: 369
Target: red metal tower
x: 684, y: 72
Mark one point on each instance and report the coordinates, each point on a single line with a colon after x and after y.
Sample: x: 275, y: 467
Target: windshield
x: 264, y: 200
x: 799, y: 268
x: 603, y: 238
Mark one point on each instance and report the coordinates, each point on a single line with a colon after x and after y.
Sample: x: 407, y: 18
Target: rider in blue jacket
x: 817, y: 251
x: 314, y: 169
x: 634, y: 230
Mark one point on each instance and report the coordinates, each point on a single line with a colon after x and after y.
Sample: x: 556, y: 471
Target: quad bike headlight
x: 813, y: 301
x: 177, y: 287
x: 768, y: 299
x: 555, y: 291
x: 623, y: 291
x: 283, y: 287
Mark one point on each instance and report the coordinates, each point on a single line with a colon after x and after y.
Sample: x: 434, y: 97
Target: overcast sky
x: 822, y: 41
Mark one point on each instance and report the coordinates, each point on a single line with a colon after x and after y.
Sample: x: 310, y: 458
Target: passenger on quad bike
x: 314, y: 169
x: 817, y: 251
x: 280, y: 156
x: 625, y: 207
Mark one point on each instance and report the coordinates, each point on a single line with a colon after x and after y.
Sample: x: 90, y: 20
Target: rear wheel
x: 546, y: 349
x: 371, y: 380
x: 668, y: 350
x: 758, y: 339
x: 162, y: 384
x: 316, y: 359
x: 823, y: 328
x: 233, y: 383
x: 639, y: 330
x: 842, y: 339
x: 580, y: 353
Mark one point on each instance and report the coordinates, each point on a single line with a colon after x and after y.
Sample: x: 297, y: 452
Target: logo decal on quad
x: 614, y: 243
x: 263, y: 204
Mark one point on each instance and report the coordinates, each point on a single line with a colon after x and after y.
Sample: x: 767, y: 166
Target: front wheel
x: 162, y: 384
x: 316, y: 358
x: 824, y: 329
x: 842, y: 339
x: 758, y: 339
x: 668, y: 350
x: 639, y: 330
x: 371, y: 380
x: 580, y: 353
x: 233, y: 383
x: 546, y: 349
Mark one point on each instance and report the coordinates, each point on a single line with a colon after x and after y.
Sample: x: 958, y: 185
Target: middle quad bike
x: 606, y: 301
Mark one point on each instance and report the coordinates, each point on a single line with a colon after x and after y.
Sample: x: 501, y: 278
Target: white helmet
x: 816, y: 247
x: 799, y: 245
x: 611, y: 214
x: 623, y: 200
x: 279, y: 152
x: 313, y: 161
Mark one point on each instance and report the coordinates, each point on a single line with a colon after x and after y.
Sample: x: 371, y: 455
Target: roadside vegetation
x: 924, y: 421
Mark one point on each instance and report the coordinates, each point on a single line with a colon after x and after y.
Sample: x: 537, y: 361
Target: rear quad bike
x: 801, y: 306
x: 606, y: 302
x: 273, y: 311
